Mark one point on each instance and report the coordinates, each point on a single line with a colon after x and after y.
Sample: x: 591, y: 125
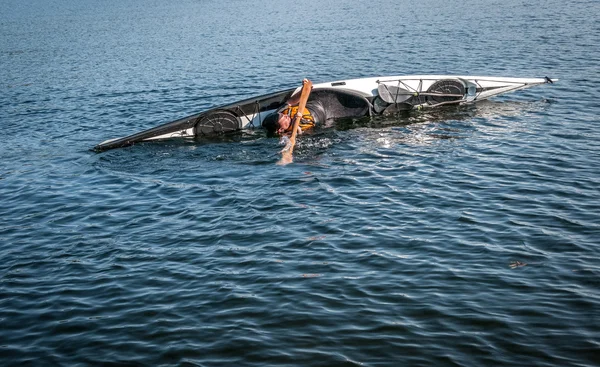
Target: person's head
x: 277, y: 123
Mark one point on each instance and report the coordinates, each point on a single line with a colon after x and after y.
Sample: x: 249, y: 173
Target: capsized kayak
x: 380, y: 95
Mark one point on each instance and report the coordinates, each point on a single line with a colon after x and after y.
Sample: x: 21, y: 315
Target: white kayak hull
x: 384, y: 95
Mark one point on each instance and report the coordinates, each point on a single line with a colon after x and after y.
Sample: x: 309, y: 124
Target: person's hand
x: 306, y: 81
x: 299, y: 130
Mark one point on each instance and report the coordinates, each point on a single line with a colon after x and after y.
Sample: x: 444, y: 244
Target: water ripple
x: 462, y: 236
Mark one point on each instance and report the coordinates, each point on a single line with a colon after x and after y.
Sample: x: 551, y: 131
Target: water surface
x: 458, y: 237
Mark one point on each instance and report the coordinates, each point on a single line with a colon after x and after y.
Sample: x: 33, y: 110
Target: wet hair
x: 271, y: 123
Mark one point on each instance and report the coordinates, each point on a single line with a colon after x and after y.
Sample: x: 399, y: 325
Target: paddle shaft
x: 304, y: 93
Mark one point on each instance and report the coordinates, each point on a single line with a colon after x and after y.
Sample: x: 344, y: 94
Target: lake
x: 460, y: 237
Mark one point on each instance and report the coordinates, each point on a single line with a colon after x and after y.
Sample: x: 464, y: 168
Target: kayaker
x: 322, y: 105
x: 280, y: 121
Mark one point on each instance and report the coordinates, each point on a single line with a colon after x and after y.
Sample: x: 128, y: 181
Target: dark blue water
x: 462, y: 237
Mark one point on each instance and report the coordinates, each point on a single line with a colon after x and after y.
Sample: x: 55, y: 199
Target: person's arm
x: 294, y: 100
